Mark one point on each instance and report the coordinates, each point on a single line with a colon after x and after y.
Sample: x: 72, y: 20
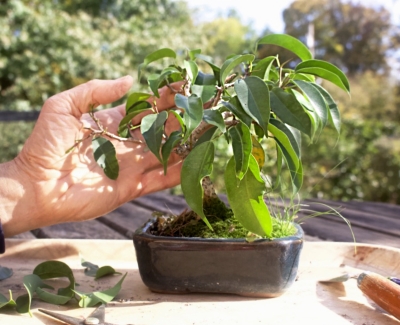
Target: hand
x: 57, y: 187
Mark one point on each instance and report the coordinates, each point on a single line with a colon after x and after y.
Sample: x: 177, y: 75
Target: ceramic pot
x: 263, y: 268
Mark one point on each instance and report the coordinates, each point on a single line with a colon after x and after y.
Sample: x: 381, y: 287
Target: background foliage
x: 49, y: 46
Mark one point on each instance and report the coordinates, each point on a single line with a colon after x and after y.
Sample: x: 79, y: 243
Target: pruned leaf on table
x: 106, y: 157
x: 94, y: 298
x: 246, y: 198
x: 196, y: 166
x: 253, y: 94
x: 7, y: 302
x: 5, y: 272
x: 97, y: 272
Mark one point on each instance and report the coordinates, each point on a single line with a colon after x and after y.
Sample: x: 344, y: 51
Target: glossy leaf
x: 135, y: 109
x: 207, y: 136
x: 7, y: 302
x: 290, y: 111
x: 242, y: 147
x: 134, y: 98
x: 105, y: 271
x: 155, y: 56
x: 105, y: 156
x: 253, y: 94
x: 216, y: 70
x: 197, y: 165
x: 325, y: 70
x: 99, y: 297
x: 193, y: 115
x: 97, y: 272
x: 257, y: 152
x: 179, y: 118
x: 291, y: 137
x: 156, y: 81
x: 236, y: 108
x: 206, y: 92
x: 169, y: 145
x: 246, y: 198
x: 315, y: 98
x: 263, y: 68
x: 192, y: 69
x: 334, y: 114
x: 192, y: 54
x: 233, y: 62
x: 309, y: 109
x: 214, y: 117
x: 152, y: 129
x: 205, y: 79
x: 288, y: 42
x: 5, y: 273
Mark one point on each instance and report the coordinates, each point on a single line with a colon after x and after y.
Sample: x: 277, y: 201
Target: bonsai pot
x: 262, y: 268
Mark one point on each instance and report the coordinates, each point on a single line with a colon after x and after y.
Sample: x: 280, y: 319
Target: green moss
x: 222, y: 220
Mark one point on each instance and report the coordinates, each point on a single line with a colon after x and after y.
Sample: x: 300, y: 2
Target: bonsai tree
x: 242, y: 102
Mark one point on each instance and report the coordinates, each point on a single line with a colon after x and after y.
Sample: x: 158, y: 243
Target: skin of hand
x: 43, y: 185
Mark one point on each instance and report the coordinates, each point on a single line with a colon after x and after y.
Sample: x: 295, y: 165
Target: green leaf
x: 253, y: 94
x: 246, y: 198
x: 334, y: 114
x: 106, y: 156
x: 325, y: 70
x: 214, y: 117
x: 315, y: 98
x: 152, y: 128
x: 168, y: 146
x: 7, y: 302
x: 293, y: 141
x: 206, y: 92
x: 156, y: 81
x: 134, y: 98
x: 205, y: 79
x: 192, y: 54
x: 290, y: 111
x: 192, y: 69
x: 31, y: 283
x: 197, y: 165
x: 157, y: 55
x: 135, y: 109
x: 104, y: 271
x: 216, y: 70
x: 236, y: 108
x: 103, y: 297
x: 5, y: 273
x: 207, y: 136
x: 57, y: 269
x: 178, y: 116
x: 90, y: 268
x: 288, y: 42
x: 242, y: 146
x: 229, y: 64
x: 193, y: 115
x: 263, y: 68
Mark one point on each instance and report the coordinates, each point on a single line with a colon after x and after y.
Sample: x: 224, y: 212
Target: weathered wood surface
x: 307, y: 301
x: 374, y: 223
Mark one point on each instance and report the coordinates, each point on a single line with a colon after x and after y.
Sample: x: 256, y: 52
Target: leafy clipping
x: 7, y: 302
x: 5, y: 273
x: 97, y: 272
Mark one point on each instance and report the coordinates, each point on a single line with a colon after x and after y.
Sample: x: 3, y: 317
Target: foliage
x: 247, y: 100
x: 352, y: 36
x: 49, y: 46
x: 12, y: 137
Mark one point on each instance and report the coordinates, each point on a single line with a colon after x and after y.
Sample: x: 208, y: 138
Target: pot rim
x: 144, y: 233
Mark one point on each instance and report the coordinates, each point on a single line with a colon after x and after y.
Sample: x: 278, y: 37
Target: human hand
x: 60, y: 187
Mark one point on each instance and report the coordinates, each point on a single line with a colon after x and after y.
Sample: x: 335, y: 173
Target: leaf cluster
x: 242, y: 102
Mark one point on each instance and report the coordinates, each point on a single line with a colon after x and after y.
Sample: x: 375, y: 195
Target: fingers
x: 78, y: 100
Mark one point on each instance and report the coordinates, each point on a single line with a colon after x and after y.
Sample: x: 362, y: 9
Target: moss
x: 222, y: 220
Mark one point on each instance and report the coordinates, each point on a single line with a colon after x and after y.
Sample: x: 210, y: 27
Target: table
x: 307, y: 302
x: 373, y: 223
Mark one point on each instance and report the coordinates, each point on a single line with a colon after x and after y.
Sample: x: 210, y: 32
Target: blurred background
x: 47, y: 46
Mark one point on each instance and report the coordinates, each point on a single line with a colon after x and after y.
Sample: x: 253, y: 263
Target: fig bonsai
x: 242, y: 102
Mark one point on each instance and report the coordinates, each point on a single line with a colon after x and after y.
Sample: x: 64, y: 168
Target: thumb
x: 78, y: 100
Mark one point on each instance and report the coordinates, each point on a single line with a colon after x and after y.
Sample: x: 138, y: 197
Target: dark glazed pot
x: 263, y: 268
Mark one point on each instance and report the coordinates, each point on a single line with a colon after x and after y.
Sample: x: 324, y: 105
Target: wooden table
x: 307, y: 301
x: 373, y: 223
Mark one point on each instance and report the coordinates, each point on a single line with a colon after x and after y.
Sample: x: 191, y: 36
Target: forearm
x: 16, y: 212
